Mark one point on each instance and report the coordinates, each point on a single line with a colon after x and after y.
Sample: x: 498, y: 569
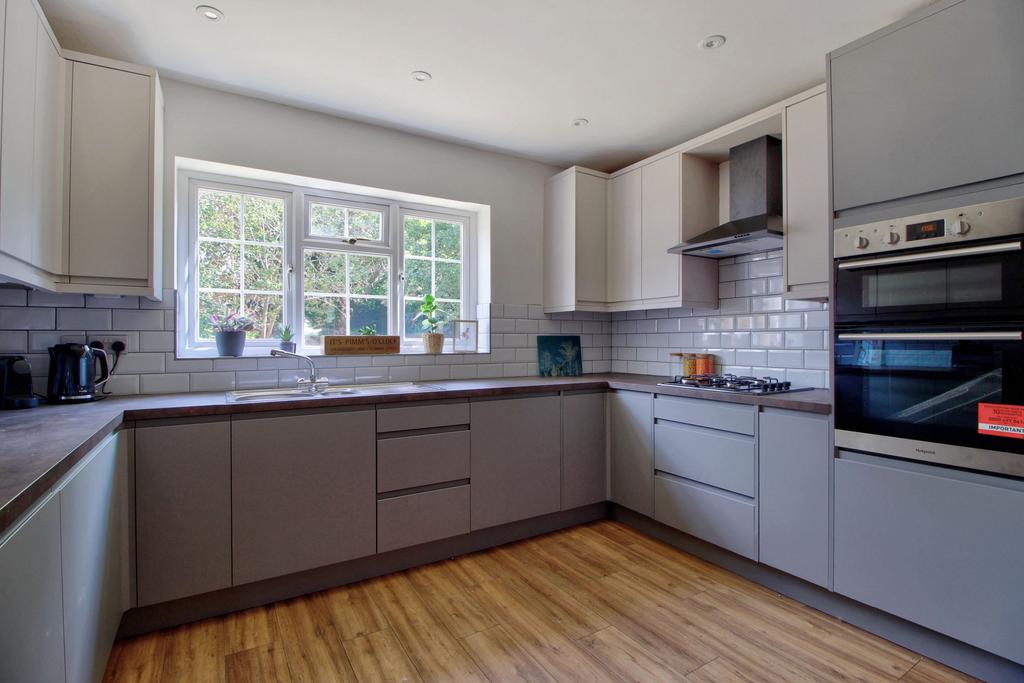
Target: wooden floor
x: 599, y: 602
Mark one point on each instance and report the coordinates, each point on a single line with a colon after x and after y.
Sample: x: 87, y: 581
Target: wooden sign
x: 342, y: 345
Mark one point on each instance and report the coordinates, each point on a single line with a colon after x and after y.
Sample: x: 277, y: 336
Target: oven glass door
x: 960, y: 388
x: 944, y: 289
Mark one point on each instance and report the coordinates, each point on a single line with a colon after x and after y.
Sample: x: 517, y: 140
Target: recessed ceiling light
x: 712, y: 42
x: 209, y: 12
x: 420, y: 76
x: 579, y: 123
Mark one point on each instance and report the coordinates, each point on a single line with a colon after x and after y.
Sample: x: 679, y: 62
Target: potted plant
x: 287, y: 339
x: 367, y: 331
x: 431, y: 318
x: 229, y: 331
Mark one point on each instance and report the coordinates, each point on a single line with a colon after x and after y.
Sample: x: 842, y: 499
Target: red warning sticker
x: 1001, y: 419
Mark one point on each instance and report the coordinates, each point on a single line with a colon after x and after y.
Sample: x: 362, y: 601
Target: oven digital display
x: 923, y: 231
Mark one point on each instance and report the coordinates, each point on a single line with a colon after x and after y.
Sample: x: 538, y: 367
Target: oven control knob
x: 960, y: 227
x: 892, y: 238
x: 863, y: 242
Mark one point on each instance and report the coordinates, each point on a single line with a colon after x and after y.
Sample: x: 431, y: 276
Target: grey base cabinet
x: 31, y: 607
x: 94, y: 559
x: 515, y: 459
x: 631, y: 415
x: 182, y: 509
x: 584, y: 462
x: 939, y: 547
x: 794, y: 458
x: 303, y: 491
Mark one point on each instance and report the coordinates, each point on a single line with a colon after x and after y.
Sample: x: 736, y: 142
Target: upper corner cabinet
x: 575, y: 226
x: 933, y: 102
x: 115, y: 179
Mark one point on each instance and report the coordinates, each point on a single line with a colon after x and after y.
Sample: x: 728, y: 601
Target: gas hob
x: 734, y: 384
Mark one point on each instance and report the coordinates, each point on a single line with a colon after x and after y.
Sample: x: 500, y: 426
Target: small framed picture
x: 463, y: 334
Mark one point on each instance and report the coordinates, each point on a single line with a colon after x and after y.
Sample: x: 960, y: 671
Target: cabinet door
x: 793, y: 498
x: 515, y: 460
x: 51, y: 80
x: 94, y: 569
x: 939, y: 547
x: 584, y: 478
x: 182, y: 509
x: 913, y: 114
x: 31, y: 607
x: 806, y: 214
x: 624, y: 237
x: 591, y: 239
x: 560, y: 242
x: 19, y: 214
x: 661, y: 210
x: 632, y: 450
x: 303, y: 491
x: 111, y: 166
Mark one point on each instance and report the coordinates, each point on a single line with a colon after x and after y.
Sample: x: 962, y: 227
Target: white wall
x: 216, y: 126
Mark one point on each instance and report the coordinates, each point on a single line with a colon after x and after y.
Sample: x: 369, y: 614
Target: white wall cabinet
x: 575, y: 225
x: 624, y: 236
x: 81, y: 143
x: 805, y: 212
x: 19, y: 214
x: 606, y: 239
x: 679, y: 199
x: 113, y: 231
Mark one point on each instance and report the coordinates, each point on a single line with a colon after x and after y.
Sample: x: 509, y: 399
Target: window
x: 433, y: 265
x: 320, y: 263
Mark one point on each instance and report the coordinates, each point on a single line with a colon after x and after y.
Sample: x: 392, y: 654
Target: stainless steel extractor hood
x: 755, y: 204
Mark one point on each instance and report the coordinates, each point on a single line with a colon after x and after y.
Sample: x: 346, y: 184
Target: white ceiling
x: 508, y: 75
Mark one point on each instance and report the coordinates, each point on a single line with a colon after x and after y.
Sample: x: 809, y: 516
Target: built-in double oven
x: 929, y: 337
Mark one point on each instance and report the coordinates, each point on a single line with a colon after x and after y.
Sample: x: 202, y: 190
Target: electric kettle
x: 72, y: 377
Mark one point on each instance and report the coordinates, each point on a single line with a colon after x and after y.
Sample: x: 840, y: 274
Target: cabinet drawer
x: 717, y: 517
x: 421, y: 460
x: 422, y: 517
x: 706, y: 413
x: 721, y: 459
x: 422, y: 416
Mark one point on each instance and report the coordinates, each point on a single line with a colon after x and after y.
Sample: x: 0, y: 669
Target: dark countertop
x: 39, y: 446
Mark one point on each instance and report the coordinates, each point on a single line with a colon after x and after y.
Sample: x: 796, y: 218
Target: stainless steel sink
x: 282, y: 394
x: 295, y: 393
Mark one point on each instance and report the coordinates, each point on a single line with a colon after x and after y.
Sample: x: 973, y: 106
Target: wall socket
x: 108, y: 341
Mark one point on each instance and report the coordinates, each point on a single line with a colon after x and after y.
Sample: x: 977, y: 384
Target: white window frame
x: 297, y: 238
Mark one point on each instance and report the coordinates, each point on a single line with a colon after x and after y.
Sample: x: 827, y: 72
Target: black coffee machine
x: 72, y: 377
x: 16, y: 384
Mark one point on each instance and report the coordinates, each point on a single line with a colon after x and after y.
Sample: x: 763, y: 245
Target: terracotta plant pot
x: 433, y: 342
x: 230, y: 343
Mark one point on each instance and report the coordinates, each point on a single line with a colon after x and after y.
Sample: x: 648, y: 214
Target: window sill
x: 264, y: 352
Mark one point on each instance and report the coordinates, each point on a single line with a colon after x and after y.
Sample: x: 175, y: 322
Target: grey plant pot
x: 230, y: 343
x: 287, y: 346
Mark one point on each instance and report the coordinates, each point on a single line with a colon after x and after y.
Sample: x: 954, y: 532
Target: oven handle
x: 932, y: 336
x: 932, y: 255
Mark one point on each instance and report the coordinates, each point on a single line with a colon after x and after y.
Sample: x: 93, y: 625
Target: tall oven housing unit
x: 927, y: 198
